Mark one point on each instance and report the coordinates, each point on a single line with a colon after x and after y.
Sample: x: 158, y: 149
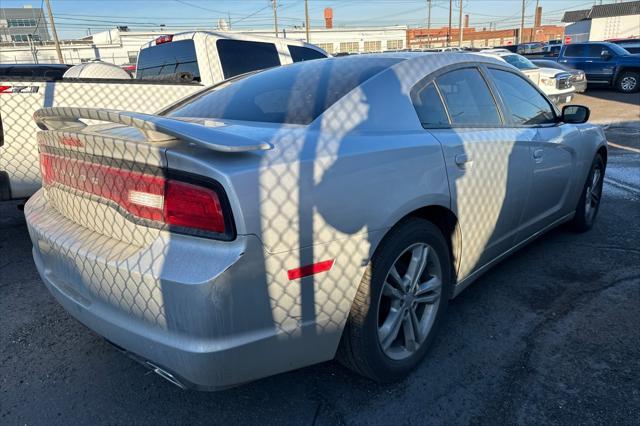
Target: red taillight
x: 146, y: 196
x: 164, y: 39
x: 193, y: 206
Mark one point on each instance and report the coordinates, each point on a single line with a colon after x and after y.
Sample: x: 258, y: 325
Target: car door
x: 573, y: 56
x: 550, y: 145
x: 488, y: 168
x: 598, y: 67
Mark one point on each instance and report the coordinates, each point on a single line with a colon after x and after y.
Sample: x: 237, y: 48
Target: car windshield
x: 519, y: 62
x: 619, y: 50
x: 294, y: 94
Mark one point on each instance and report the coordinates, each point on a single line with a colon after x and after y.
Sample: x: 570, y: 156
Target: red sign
x: 567, y: 39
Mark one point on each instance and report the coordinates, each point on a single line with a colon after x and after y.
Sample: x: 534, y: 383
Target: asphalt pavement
x: 550, y: 335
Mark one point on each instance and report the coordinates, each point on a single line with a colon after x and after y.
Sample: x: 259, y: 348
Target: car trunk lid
x: 114, y: 178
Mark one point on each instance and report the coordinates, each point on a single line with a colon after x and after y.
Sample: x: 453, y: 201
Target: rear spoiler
x: 155, y: 128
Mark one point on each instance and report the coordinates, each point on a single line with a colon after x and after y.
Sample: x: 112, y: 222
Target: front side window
x: 299, y: 54
x: 594, y: 50
x: 429, y: 107
x: 239, y: 56
x: 468, y: 98
x: 526, y: 105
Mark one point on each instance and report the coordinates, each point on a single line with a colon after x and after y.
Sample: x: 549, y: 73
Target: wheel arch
x: 446, y: 221
x: 602, y: 150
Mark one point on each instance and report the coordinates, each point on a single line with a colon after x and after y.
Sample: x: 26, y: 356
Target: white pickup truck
x: 555, y: 83
x: 204, y: 58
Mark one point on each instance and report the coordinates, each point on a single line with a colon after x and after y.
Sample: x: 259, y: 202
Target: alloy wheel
x: 594, y: 193
x: 409, y: 301
x: 628, y: 83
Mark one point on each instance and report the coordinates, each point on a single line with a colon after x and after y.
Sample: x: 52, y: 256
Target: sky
x: 75, y: 18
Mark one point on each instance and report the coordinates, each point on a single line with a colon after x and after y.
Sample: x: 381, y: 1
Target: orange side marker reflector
x: 305, y: 271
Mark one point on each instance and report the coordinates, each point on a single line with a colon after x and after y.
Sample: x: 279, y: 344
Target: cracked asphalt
x: 550, y: 335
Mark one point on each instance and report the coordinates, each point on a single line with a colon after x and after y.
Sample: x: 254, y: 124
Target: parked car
x: 631, y: 45
x: 530, y: 48
x: 554, y: 83
x: 513, y: 48
x: 551, y: 50
x: 578, y: 79
x: 168, y: 69
x: 605, y: 64
x: 445, y: 49
x: 320, y: 207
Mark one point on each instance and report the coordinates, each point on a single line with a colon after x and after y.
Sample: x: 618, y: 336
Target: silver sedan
x: 329, y: 208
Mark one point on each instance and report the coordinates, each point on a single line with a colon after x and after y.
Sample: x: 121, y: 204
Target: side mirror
x: 605, y: 55
x: 575, y: 114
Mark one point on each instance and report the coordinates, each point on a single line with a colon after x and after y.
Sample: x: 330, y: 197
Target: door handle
x: 589, y: 60
x: 537, y: 155
x: 462, y: 159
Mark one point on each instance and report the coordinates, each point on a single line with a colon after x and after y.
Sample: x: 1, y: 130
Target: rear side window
x: 239, y: 57
x: 468, y: 98
x: 295, y: 94
x: 429, y: 107
x: 574, y: 50
x: 526, y: 105
x: 167, y: 59
x: 299, y: 54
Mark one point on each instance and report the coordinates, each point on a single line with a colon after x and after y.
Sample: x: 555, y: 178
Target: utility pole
x: 274, y: 4
x: 306, y: 18
x: 429, y: 24
x: 460, y: 26
x: 55, y: 34
x: 520, y: 36
x: 449, y: 28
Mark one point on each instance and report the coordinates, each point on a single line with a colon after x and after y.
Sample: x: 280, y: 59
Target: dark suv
x: 604, y: 63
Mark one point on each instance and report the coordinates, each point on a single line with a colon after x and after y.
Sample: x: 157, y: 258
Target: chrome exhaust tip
x: 166, y: 375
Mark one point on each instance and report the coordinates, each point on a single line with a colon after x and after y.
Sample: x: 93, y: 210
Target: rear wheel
x: 399, y: 304
x: 628, y: 82
x: 589, y: 203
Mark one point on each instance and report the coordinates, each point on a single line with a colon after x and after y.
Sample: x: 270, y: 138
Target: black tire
x: 628, y: 82
x: 585, y: 216
x: 360, y: 349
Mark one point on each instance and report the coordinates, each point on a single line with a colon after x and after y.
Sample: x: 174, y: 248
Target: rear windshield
x: 294, y: 94
x: 519, y: 62
x: 168, y: 59
x: 240, y: 56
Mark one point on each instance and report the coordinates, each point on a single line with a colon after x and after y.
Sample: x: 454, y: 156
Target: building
x: 420, y: 38
x: 120, y: 46
x: 603, y: 22
x: 348, y: 40
x: 23, y: 25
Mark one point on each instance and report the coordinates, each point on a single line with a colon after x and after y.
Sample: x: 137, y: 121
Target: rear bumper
x: 199, y: 310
